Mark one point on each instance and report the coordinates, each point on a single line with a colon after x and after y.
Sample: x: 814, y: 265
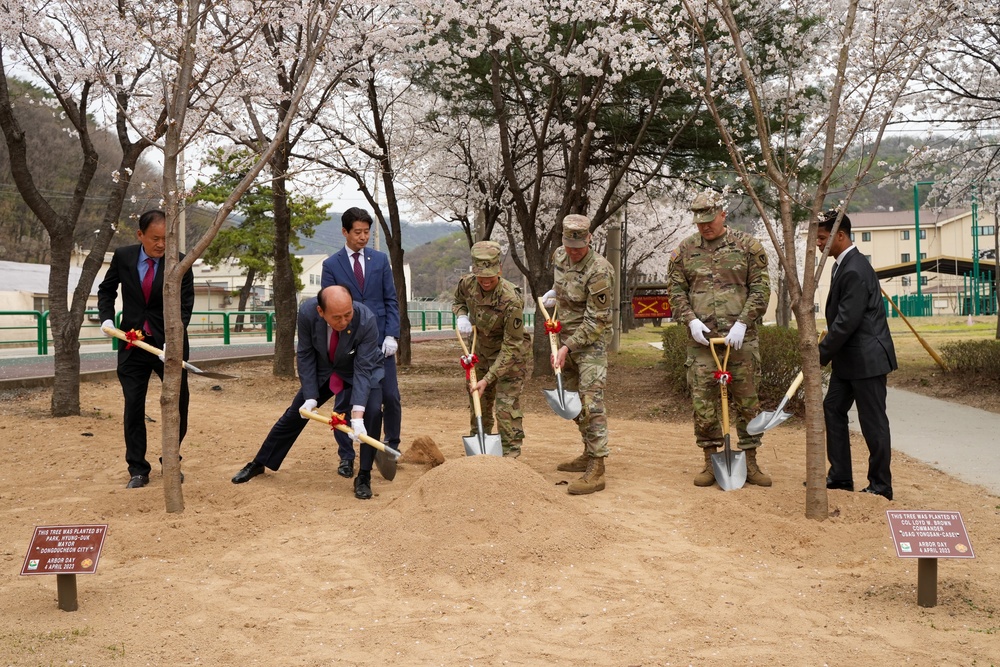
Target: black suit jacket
x: 358, y: 360
x: 857, y: 343
x: 124, y: 273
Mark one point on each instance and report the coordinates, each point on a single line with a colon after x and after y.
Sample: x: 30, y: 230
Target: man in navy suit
x: 368, y: 276
x: 338, y: 354
x: 860, y: 349
x: 138, y: 270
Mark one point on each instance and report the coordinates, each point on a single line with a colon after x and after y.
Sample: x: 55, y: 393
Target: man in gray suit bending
x: 337, y: 351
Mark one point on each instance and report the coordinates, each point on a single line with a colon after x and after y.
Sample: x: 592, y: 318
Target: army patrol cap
x: 486, y: 259
x: 576, y: 228
x: 705, y: 207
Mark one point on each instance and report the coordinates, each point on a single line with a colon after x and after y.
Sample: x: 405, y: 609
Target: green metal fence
x: 209, y: 324
x: 214, y: 325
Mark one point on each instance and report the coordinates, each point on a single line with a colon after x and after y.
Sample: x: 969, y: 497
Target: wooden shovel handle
x: 553, y: 337
x: 476, y: 405
x: 142, y: 345
x: 927, y: 346
x: 367, y: 439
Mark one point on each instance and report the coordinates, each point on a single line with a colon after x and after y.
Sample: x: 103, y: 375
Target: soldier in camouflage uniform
x: 583, y: 289
x: 503, y: 345
x: 719, y: 287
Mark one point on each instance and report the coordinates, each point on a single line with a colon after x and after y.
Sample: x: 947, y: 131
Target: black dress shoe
x: 885, y: 494
x: 248, y: 472
x: 346, y: 468
x: 835, y: 484
x: 363, y: 485
x: 137, y: 482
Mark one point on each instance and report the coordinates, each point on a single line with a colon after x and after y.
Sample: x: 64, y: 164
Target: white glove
x: 163, y: 354
x: 389, y: 346
x: 735, y: 337
x: 464, y: 325
x: 358, y: 426
x: 309, y: 405
x: 549, y: 299
x: 107, y: 324
x: 698, y: 331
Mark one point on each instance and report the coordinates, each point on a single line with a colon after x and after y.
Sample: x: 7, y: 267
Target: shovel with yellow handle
x: 730, y: 467
x: 564, y: 403
x: 385, y: 457
x: 143, y: 345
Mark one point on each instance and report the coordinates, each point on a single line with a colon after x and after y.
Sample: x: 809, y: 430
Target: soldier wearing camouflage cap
x: 583, y: 289
x: 503, y: 345
x: 719, y: 286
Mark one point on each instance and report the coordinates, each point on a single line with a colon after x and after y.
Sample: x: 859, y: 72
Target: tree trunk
x: 244, y: 297
x: 65, y: 329
x: 170, y: 414
x: 285, y: 305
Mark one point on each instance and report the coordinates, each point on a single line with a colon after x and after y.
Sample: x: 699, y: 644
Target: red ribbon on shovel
x: 723, y: 377
x: 469, y: 362
x: 337, y: 419
x: 553, y: 326
x: 131, y: 337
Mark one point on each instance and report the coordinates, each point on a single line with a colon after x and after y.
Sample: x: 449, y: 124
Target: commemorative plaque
x: 928, y: 535
x: 65, y: 551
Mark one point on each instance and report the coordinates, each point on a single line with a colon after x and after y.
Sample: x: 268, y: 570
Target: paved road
x: 22, y: 367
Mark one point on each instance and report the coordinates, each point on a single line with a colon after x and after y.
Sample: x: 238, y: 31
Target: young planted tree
x: 821, y: 79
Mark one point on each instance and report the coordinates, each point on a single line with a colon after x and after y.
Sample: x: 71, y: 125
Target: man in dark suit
x: 368, y: 276
x: 338, y: 354
x: 860, y: 349
x: 138, y: 271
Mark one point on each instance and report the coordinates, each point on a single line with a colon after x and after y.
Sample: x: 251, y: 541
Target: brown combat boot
x: 579, y: 464
x: 592, y: 480
x: 754, y: 474
x: 707, y: 476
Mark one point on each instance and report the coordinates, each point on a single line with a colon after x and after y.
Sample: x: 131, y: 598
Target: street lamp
x: 916, y: 224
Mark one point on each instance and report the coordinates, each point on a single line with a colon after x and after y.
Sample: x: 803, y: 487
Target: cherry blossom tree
x: 79, y: 52
x: 821, y: 78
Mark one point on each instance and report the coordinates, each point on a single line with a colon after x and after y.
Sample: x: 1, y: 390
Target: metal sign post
x: 928, y: 535
x: 65, y: 551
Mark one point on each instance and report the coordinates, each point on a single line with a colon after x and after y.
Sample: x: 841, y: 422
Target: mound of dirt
x: 480, y: 517
x: 423, y: 451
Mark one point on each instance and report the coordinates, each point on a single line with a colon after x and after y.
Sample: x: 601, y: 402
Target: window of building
x: 41, y: 303
x: 852, y: 237
x: 905, y: 281
x: 923, y: 234
x: 923, y: 280
x: 905, y: 235
x: 988, y: 230
x: 869, y: 258
x: 905, y: 257
x: 923, y: 255
x: 866, y: 236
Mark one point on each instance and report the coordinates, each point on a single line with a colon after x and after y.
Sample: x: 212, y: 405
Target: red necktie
x: 147, y: 280
x: 147, y: 288
x: 336, y: 384
x: 358, y: 273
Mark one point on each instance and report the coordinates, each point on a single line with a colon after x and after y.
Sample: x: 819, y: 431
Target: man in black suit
x: 338, y: 354
x: 860, y: 349
x: 138, y: 271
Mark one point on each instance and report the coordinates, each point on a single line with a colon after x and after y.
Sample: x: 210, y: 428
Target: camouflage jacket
x: 584, y: 294
x: 499, y: 319
x: 719, y: 282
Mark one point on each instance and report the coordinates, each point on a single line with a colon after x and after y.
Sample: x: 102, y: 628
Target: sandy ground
x: 480, y: 561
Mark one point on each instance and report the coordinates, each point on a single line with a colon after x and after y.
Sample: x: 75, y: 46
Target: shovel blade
x: 566, y: 404
x: 730, y: 468
x: 386, y: 464
x: 490, y: 445
x: 765, y: 421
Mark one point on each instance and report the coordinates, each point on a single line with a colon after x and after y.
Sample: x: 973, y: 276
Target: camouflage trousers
x: 586, y: 372
x: 504, y: 398
x: 744, y: 364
